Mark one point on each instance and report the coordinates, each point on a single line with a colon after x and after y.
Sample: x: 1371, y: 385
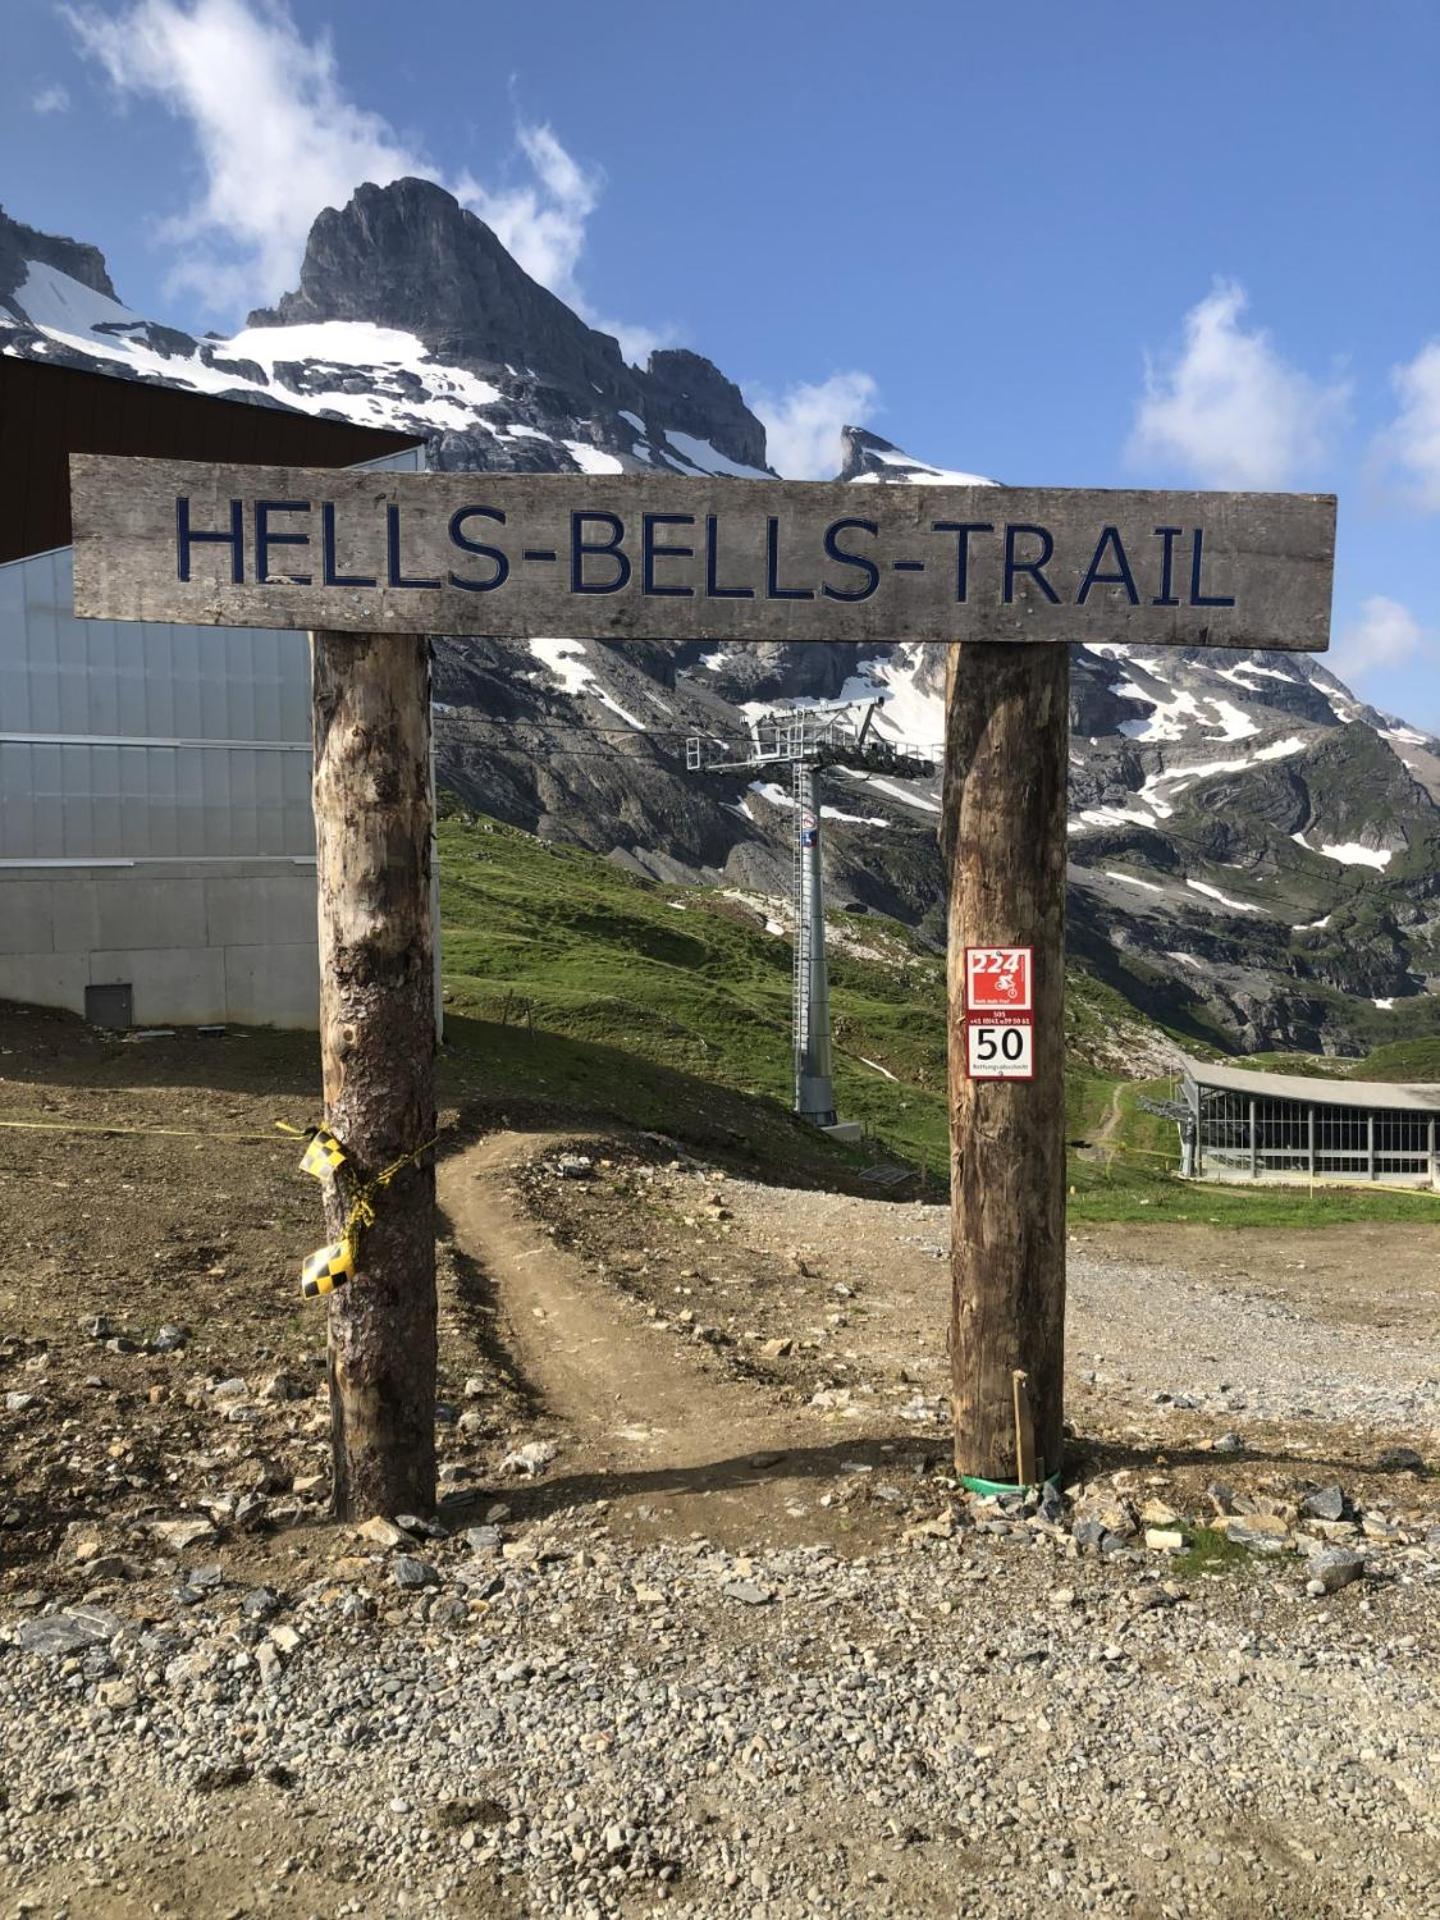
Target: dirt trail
x: 1103, y: 1143
x: 652, y: 1424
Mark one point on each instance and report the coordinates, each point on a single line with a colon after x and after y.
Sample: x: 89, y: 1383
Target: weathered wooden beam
x: 1006, y: 762
x: 373, y: 819
x: 671, y: 557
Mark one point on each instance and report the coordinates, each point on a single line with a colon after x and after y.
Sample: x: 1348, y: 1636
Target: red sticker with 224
x: 999, y: 979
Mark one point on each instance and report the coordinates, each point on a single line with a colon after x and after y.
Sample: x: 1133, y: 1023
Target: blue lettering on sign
x: 394, y: 577
x: 580, y: 547
x: 964, y: 529
x: 1014, y: 566
x: 1166, y: 596
x: 713, y: 588
x: 460, y: 538
x: 187, y: 536
x: 1197, y: 560
x: 651, y: 551
x: 1121, y: 577
x: 265, y: 539
x: 328, y: 574
x: 773, y: 588
x: 846, y: 559
x: 853, y: 549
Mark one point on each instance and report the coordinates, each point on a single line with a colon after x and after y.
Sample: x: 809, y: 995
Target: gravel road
x: 706, y: 1629
x: 1243, y: 1328
x: 979, y: 1725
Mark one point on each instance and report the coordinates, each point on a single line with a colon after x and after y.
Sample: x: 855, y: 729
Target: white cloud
x: 1386, y: 634
x: 280, y: 138
x: 542, y: 221
x: 802, y: 425
x: 1413, y: 442
x: 51, y: 99
x: 1229, y: 409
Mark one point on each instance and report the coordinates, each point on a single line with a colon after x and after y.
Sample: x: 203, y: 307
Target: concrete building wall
x: 195, y: 943
x: 155, y: 824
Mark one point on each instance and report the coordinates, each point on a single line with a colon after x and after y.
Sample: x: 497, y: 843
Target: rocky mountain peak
x: 409, y: 256
x: 21, y: 246
x: 865, y: 456
x: 694, y: 397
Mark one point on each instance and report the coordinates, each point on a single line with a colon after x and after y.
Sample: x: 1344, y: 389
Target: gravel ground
x: 991, y: 1724
x: 1337, y: 1325
x: 1158, y: 1328
x: 761, y: 1661
x: 1231, y: 1335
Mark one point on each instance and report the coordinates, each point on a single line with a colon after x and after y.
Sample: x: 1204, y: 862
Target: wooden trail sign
x: 662, y: 557
x: 393, y: 557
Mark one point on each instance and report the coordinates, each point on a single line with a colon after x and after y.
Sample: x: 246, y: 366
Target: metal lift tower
x: 808, y: 740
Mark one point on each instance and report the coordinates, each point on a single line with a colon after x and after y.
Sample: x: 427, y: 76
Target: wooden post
x: 1006, y: 762
x: 373, y: 822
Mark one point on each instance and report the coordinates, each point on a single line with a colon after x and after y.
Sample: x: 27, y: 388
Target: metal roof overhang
x: 49, y: 412
x: 1390, y: 1096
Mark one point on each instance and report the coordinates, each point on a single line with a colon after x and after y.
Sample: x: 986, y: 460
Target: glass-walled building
x: 1287, y: 1127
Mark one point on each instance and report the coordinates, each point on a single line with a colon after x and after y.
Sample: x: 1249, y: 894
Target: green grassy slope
x: 544, y: 936
x: 574, y: 985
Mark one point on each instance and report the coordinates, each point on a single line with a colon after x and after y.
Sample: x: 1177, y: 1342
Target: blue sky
x: 1083, y: 242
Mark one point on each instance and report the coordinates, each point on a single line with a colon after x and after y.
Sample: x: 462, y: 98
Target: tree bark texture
x: 1006, y: 761
x: 373, y: 823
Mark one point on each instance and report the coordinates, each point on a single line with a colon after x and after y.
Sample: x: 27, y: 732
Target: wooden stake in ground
x: 1006, y: 760
x: 377, y: 1035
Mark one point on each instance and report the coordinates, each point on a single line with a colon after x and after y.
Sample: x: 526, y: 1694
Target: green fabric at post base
x: 988, y: 1488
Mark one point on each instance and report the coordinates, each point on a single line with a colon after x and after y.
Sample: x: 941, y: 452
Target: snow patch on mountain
x: 913, y: 715
x: 703, y: 458
x: 565, y: 659
x: 932, y: 476
x: 1111, y: 817
x: 867, y: 459
x: 1214, y: 893
x: 893, y: 788
x: 1350, y: 853
x: 593, y: 459
x: 876, y: 1067
x: 1154, y: 799
x: 772, y: 792
x: 1233, y: 723
x: 1241, y: 675
x: 775, y: 794
x: 51, y: 299
x: 1172, y: 719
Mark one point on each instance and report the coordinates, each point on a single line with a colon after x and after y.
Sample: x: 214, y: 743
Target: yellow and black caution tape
x: 333, y: 1265
x: 327, y: 1268
x: 323, y: 1155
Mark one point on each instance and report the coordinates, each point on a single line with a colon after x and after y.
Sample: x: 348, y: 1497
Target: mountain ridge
x: 1254, y: 850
